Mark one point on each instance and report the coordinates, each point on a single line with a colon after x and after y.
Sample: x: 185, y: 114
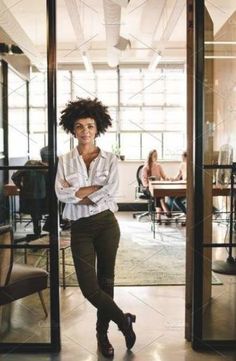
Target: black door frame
x: 55, y: 343
x: 198, y: 342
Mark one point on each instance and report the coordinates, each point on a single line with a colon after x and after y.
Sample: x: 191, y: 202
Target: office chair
x: 142, y: 192
x: 33, y: 191
x: 18, y: 280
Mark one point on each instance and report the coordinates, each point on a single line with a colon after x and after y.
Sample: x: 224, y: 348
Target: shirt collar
x: 75, y: 153
x: 103, y: 153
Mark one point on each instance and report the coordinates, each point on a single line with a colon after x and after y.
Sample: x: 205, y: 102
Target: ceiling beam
x: 168, y: 30
x: 82, y: 44
x: 173, y: 19
x: 10, y: 25
x: 112, y: 17
x: 151, y: 15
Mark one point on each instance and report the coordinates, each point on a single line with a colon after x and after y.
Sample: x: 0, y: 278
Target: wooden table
x: 178, y: 189
x: 10, y: 189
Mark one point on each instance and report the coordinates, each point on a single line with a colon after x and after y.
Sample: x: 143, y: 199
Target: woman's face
x: 154, y: 156
x: 85, y: 130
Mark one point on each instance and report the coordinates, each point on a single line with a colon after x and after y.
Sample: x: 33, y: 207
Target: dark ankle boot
x: 127, y: 330
x: 104, y: 345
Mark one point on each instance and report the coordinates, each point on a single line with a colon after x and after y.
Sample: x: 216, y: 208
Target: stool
x: 64, y: 245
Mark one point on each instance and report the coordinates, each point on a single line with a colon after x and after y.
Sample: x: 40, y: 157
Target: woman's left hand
x: 65, y: 184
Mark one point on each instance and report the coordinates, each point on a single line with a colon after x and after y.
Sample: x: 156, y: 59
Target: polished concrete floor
x: 159, y: 327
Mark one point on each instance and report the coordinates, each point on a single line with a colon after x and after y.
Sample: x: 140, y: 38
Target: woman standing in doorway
x: 87, y: 181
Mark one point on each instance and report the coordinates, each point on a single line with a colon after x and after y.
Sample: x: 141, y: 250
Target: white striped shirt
x: 103, y: 170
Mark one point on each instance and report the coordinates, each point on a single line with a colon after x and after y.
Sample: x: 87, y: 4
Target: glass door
x: 29, y: 305
x: 214, y: 270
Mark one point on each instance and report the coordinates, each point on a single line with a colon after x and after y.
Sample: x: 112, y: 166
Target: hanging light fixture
x: 155, y: 61
x: 87, y: 63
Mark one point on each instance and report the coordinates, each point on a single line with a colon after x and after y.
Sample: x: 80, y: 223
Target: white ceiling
x: 151, y: 26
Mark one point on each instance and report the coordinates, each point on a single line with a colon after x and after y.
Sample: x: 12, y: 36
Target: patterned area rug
x: 143, y: 260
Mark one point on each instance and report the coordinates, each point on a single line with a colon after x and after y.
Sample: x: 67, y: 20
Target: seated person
x: 33, y: 192
x: 64, y: 224
x: 180, y: 202
x: 153, y: 169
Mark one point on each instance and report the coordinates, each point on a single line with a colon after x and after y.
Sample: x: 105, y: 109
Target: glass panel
x: 145, y: 97
x: 83, y: 84
x: 24, y: 319
x: 107, y: 142
x: 37, y: 141
x: 17, y: 116
x: 219, y: 308
x: 153, y: 99
x: 113, y: 114
x: 151, y: 141
x: 38, y: 131
x: 131, y: 85
x: 173, y: 144
x: 63, y: 87
x: 131, y: 119
x: 23, y: 192
x: 64, y: 142
x: 130, y: 145
x: 154, y: 102
x: 153, y: 119
x: 175, y: 115
x: 219, y: 129
x: 37, y: 90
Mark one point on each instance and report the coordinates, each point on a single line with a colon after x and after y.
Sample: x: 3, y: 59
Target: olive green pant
x: 97, y: 238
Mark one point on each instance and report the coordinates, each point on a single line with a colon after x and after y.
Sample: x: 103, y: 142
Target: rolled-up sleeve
x: 64, y: 194
x: 110, y: 189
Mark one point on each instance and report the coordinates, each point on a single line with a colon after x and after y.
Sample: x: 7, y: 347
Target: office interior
x: 165, y: 69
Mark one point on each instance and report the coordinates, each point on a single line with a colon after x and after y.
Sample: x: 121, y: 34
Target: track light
x: 10, y: 49
x: 4, y: 48
x: 121, y: 2
x: 14, y: 49
x: 155, y: 61
x: 87, y: 63
x: 122, y: 44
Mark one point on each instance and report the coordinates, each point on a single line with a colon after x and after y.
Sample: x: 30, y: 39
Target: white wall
x: 127, y: 178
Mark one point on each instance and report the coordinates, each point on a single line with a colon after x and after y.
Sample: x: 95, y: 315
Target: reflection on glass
x: 130, y: 145
x: 24, y: 294
x: 17, y: 116
x: 107, y: 142
x: 151, y: 141
x: 219, y: 315
x: 219, y: 147
x: 24, y: 276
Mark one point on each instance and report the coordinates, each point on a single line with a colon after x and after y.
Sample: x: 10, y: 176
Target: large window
x: 147, y: 108
x: 17, y: 116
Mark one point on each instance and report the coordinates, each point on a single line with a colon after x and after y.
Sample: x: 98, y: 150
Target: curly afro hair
x: 85, y: 108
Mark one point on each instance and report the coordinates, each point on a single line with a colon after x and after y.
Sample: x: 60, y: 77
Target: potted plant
x: 116, y: 151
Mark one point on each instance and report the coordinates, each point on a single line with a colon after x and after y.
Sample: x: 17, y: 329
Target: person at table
x: 33, y: 185
x: 87, y: 181
x: 179, y: 202
x: 153, y: 169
